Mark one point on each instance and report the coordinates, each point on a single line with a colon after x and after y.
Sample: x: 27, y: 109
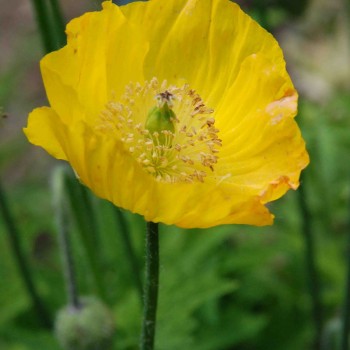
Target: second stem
x: 151, y: 287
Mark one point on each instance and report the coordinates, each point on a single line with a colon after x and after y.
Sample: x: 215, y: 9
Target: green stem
x: 46, y: 29
x: 87, y: 227
x: 262, y: 12
x: 22, y: 264
x: 311, y: 269
x: 90, y: 217
x: 59, y: 22
x: 151, y: 287
x: 346, y: 307
x: 134, y: 265
x: 63, y: 237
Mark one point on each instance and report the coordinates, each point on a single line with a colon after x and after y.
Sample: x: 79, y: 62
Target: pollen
x: 187, y: 153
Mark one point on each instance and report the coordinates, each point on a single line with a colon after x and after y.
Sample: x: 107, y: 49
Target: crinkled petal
x: 234, y: 64
x: 67, y: 142
x: 44, y: 130
x: 66, y: 101
x: 262, y: 146
x: 202, y: 42
x: 103, y: 54
x: 114, y: 175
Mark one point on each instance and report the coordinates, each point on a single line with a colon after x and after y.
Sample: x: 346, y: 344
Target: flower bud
x: 331, y: 337
x: 89, y: 327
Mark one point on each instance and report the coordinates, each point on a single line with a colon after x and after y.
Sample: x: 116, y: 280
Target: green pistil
x: 161, y: 118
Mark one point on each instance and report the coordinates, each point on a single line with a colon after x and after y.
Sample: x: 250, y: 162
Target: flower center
x: 167, y: 129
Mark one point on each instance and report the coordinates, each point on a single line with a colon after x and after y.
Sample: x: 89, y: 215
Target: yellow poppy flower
x: 179, y: 110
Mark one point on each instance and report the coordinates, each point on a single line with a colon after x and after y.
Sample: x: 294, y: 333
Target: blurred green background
x: 231, y: 287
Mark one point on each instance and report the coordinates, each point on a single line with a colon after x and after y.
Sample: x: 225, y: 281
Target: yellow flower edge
x: 236, y: 146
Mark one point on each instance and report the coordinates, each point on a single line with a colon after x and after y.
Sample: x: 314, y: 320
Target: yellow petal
x: 200, y: 41
x: 63, y: 98
x: 262, y: 146
x: 217, y: 205
x: 67, y: 142
x: 44, y: 130
x: 235, y: 66
x: 113, y: 174
x: 98, y: 61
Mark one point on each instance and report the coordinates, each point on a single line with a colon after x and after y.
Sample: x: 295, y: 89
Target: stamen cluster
x: 186, y: 155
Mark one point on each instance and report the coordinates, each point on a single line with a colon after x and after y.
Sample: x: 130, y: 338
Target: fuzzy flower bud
x: 89, y: 327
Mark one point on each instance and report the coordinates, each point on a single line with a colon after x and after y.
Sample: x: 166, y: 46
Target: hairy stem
x: 45, y: 27
x: 58, y: 22
x: 151, y: 287
x: 63, y: 236
x: 346, y: 306
x: 85, y: 219
x: 311, y: 269
x: 21, y: 261
x: 132, y: 258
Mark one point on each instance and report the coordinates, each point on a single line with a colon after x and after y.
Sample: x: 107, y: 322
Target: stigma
x: 161, y: 118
